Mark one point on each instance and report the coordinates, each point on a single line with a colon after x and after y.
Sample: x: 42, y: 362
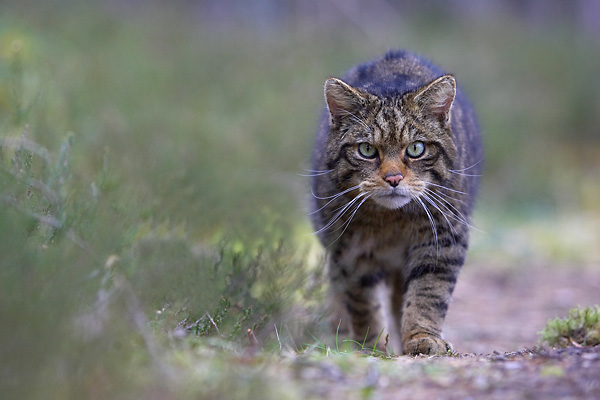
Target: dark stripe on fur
x: 342, y: 152
x: 370, y: 280
x: 442, y: 243
x: 443, y: 273
x: 441, y: 306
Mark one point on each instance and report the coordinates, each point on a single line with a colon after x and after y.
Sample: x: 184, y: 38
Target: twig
x: 212, y: 322
x: 50, y: 221
x: 277, y: 334
x: 23, y: 143
x: 575, y: 344
x: 140, y: 322
x: 254, y: 345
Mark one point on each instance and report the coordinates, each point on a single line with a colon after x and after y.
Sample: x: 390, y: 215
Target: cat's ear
x: 436, y: 99
x: 342, y: 99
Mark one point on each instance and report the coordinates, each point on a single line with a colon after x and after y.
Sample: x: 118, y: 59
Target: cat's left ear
x: 437, y: 98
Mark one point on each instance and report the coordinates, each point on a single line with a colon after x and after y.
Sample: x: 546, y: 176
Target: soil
x: 571, y: 373
x: 493, y: 325
x: 499, y: 310
x: 503, y: 310
x: 494, y: 322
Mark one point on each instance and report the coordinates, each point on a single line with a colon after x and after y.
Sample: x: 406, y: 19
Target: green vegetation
x: 580, y: 328
x: 152, y: 208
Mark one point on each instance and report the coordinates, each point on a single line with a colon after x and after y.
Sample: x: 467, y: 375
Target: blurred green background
x: 152, y: 204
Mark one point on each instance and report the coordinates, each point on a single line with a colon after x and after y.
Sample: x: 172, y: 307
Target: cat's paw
x: 426, y: 344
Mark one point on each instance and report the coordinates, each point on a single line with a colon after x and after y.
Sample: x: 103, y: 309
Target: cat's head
x: 391, y: 148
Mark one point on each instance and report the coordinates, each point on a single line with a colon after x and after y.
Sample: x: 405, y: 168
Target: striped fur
x: 395, y: 223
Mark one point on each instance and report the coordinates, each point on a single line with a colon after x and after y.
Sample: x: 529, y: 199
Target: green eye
x: 367, y: 151
x: 415, y: 149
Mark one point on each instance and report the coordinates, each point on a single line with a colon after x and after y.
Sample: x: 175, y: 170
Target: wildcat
x: 395, y: 172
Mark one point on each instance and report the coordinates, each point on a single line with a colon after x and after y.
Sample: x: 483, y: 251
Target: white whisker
x: 325, y: 205
x: 432, y: 223
x: 454, y: 212
x: 447, y: 196
x: 462, y: 174
x: 349, y: 220
x: 335, y: 195
x: 435, y: 205
x: 444, y: 187
x: 340, y: 213
x: 466, y: 169
x: 316, y: 173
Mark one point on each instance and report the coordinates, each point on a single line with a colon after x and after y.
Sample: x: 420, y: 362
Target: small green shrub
x: 580, y: 328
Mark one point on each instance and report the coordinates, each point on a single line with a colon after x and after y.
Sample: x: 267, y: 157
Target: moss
x: 580, y: 328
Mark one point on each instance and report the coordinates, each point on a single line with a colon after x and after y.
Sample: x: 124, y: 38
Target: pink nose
x: 393, y: 180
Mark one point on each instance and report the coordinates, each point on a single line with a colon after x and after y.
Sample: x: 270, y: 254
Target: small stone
x: 590, y: 356
x: 513, y: 365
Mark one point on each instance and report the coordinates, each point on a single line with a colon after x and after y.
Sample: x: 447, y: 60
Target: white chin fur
x: 392, y: 202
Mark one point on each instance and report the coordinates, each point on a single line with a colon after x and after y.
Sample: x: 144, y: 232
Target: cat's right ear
x: 342, y: 99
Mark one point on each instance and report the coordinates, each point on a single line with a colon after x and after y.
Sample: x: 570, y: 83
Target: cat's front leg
x: 427, y: 289
x: 360, y: 294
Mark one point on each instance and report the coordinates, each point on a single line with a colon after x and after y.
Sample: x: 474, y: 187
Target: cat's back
x: 393, y: 75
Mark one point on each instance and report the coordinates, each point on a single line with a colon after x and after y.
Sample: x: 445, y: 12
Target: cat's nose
x: 393, y: 179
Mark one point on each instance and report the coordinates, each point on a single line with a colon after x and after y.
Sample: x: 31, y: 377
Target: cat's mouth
x: 392, y: 199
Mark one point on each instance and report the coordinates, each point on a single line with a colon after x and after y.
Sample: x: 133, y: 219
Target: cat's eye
x: 367, y: 150
x: 415, y: 149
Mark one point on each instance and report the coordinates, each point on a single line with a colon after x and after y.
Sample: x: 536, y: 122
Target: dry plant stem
x: 253, y: 341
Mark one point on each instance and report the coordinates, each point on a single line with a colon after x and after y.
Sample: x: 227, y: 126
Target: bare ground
x: 493, y: 324
x: 500, y: 309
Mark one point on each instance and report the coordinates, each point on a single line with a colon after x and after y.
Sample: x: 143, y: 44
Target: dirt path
x: 500, y: 309
x: 572, y: 373
x: 556, y: 374
x: 493, y: 324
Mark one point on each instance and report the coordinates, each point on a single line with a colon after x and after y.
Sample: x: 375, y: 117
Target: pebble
x: 590, y: 356
x: 513, y: 365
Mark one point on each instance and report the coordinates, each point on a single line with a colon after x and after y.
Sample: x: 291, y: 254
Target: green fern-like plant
x: 580, y: 328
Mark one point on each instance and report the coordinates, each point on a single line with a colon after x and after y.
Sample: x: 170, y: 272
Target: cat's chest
x: 380, y: 248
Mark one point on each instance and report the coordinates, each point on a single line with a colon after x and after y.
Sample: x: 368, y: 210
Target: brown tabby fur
x: 396, y: 227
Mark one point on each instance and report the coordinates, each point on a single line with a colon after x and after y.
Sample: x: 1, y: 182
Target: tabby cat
x: 395, y: 171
